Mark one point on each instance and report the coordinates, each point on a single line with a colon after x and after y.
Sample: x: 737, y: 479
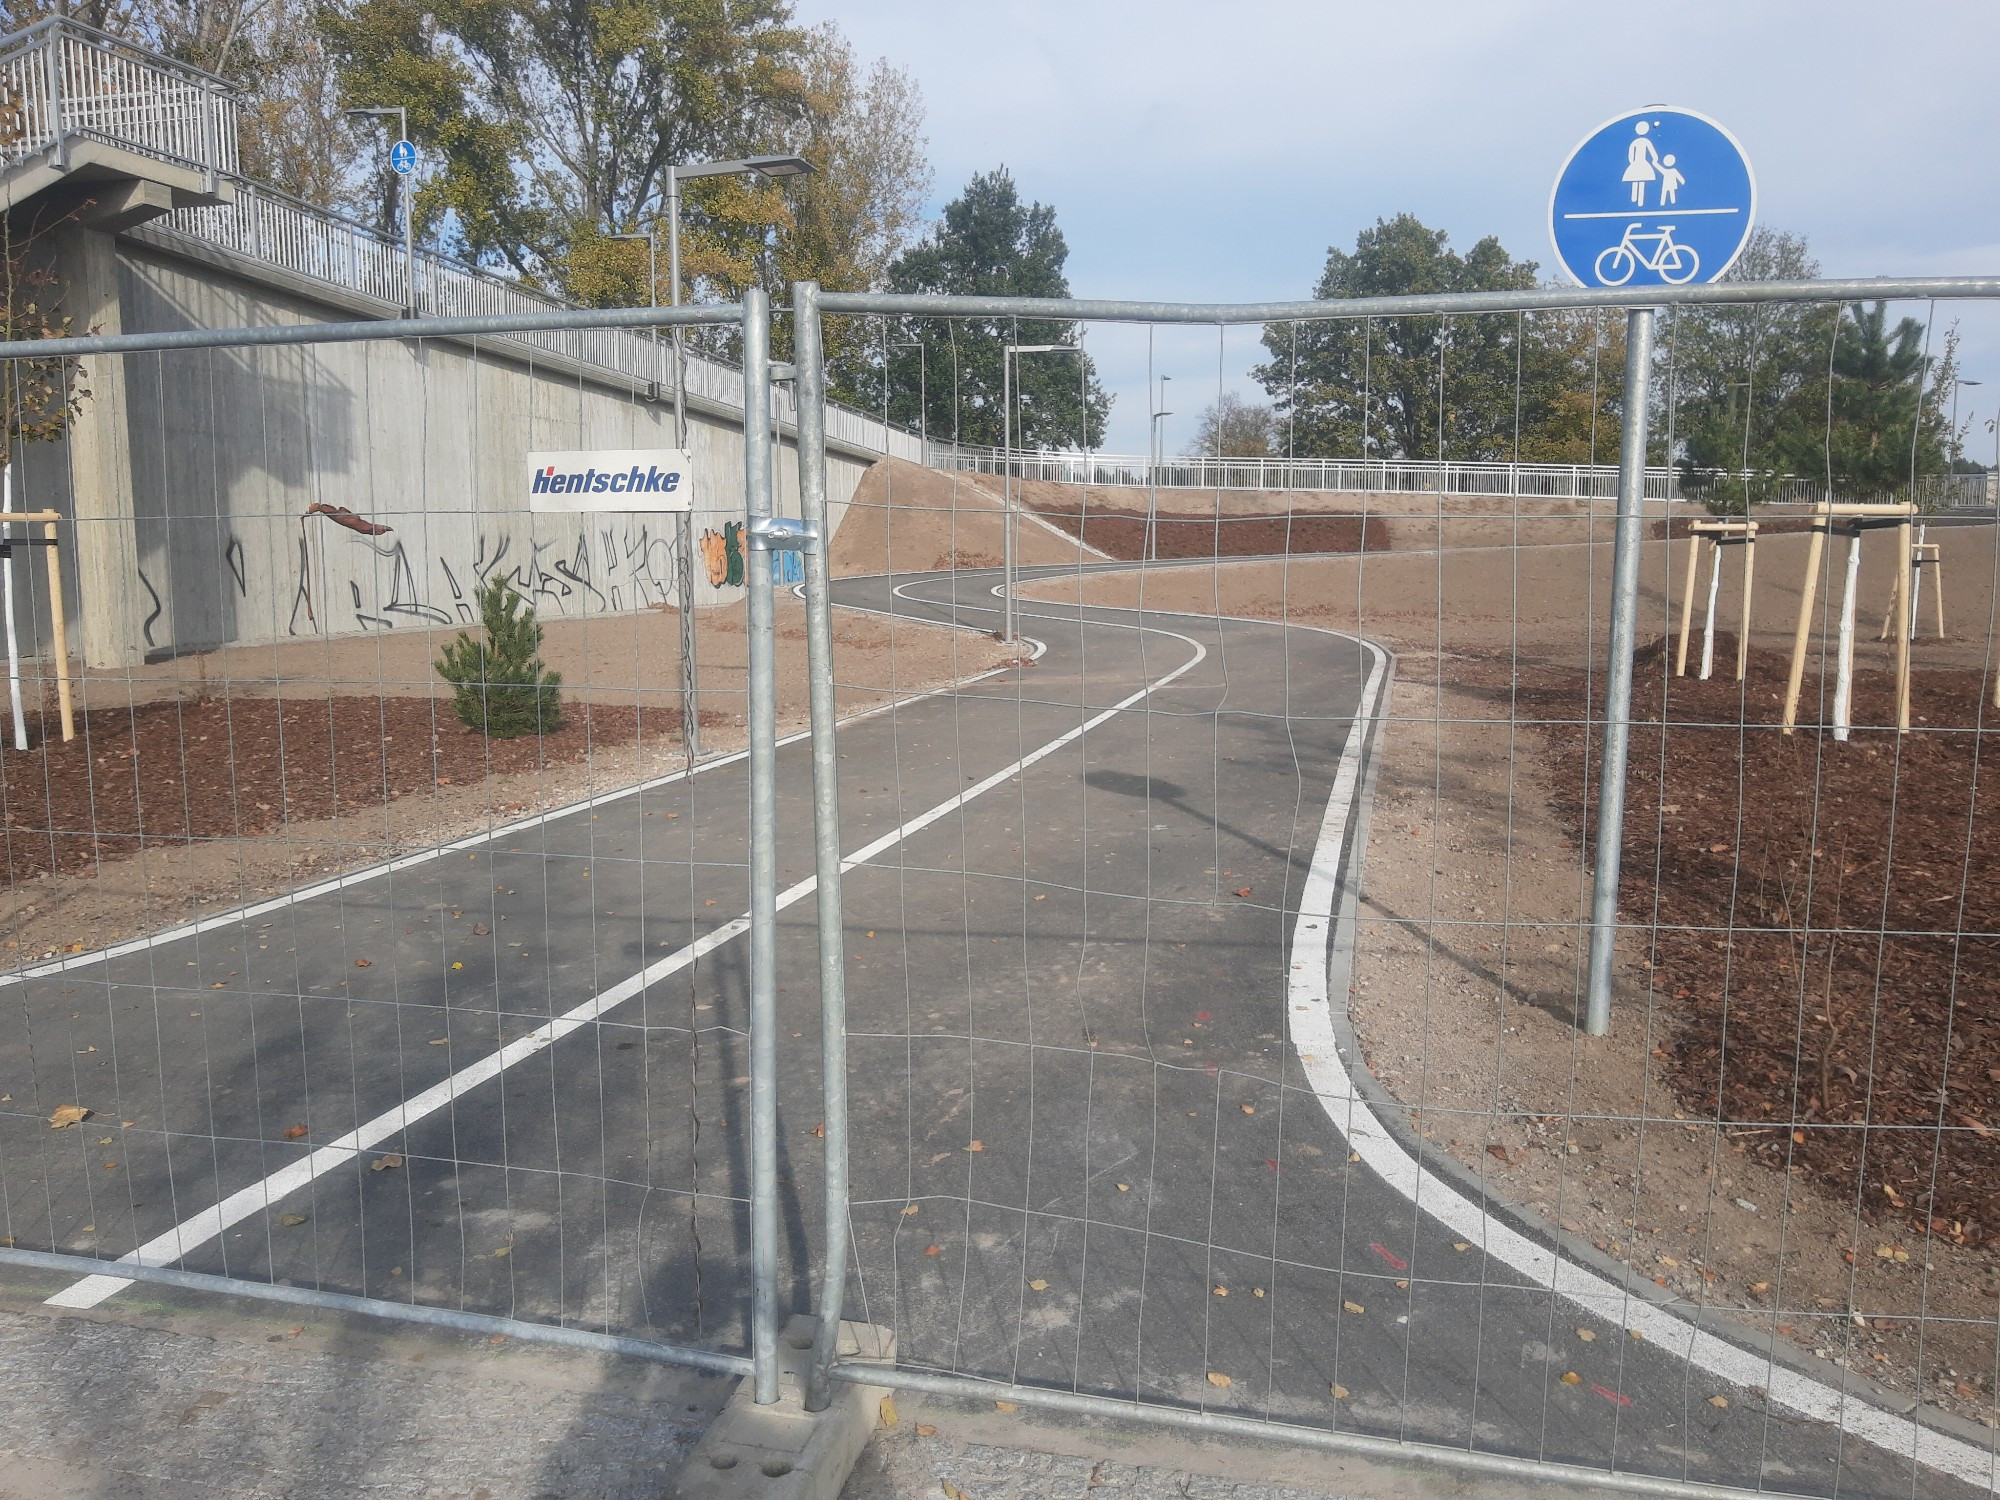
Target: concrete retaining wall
x: 228, y: 449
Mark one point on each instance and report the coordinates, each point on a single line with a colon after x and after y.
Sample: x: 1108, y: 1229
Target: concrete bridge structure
x: 189, y: 481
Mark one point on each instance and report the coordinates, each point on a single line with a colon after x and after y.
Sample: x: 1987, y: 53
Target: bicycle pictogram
x: 1674, y: 263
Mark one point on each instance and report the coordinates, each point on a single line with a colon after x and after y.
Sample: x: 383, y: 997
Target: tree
x: 1769, y: 392
x: 1234, y: 428
x: 1417, y: 387
x: 553, y: 120
x: 499, y: 686
x: 990, y: 244
x: 39, y: 397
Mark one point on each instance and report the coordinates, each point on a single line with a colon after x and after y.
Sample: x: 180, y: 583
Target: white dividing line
x: 1311, y: 1017
x: 211, y: 1223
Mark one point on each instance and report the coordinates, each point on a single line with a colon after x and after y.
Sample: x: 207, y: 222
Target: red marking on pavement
x: 1613, y: 1396
x: 1390, y: 1256
x: 1271, y: 1162
x: 1209, y: 1067
x: 1201, y: 1015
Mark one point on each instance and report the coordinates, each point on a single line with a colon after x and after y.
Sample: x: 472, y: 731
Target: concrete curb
x: 782, y: 1451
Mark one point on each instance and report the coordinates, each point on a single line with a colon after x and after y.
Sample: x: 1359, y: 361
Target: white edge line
x: 1310, y: 1015
x: 211, y: 1223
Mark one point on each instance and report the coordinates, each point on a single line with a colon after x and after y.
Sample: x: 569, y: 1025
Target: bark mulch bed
x: 1828, y: 942
x: 178, y: 772
x: 1122, y: 534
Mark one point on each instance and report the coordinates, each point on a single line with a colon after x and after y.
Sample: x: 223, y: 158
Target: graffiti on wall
x: 610, y: 564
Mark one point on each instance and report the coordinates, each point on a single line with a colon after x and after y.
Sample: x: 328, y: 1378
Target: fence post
x: 763, y: 715
x: 1618, y: 670
x: 811, y: 388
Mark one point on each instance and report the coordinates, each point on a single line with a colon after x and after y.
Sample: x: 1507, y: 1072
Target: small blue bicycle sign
x: 1657, y: 197
x: 403, y: 157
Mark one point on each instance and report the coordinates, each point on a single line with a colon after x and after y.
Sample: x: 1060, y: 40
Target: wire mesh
x: 1215, y: 1046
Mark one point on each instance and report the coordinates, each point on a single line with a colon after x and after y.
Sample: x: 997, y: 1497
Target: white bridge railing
x: 60, y: 80
x: 1377, y: 476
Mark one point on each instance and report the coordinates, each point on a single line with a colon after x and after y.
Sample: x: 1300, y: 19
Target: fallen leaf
x: 1718, y: 1401
x: 819, y: 1131
x: 480, y: 929
x: 1249, y: 1109
x: 67, y: 1115
x: 1220, y: 1291
x: 1460, y: 1246
x: 385, y: 1163
x: 292, y: 1221
x: 1256, y: 1291
x: 1760, y: 1287
x: 952, y: 1491
x: 1243, y: 890
x: 1219, y: 1380
x: 438, y: 1041
x: 925, y: 1429
x: 294, y: 1132
x: 503, y: 1252
x: 1570, y: 1377
x: 886, y: 1410
x: 458, y: 966
x: 977, y: 1146
x: 910, y: 1209
x: 1637, y: 1334
x: 1038, y: 1285
x: 1005, y: 1406
x: 934, y: 1250
x: 1497, y: 1151
x: 1339, y: 1392
x: 1354, y: 1307
x: 1586, y: 1335
x: 1041, y: 898
x: 1124, y: 1187
x: 363, y: 963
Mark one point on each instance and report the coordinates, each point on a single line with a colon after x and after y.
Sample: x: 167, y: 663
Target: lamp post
x: 923, y: 392
x: 764, y: 166
x: 651, y: 235
x: 405, y: 207
x: 1153, y: 460
x: 1008, y: 354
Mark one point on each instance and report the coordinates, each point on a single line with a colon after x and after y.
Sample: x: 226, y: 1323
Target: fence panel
x: 1215, y: 1043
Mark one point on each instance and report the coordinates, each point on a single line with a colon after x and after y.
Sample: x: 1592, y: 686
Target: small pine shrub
x: 498, y: 683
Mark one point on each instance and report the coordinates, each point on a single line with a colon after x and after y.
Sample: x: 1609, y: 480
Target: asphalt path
x: 1093, y: 1147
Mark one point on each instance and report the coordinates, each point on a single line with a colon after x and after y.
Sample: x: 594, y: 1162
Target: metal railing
x: 1397, y: 476
x: 61, y: 79
x: 1553, y: 481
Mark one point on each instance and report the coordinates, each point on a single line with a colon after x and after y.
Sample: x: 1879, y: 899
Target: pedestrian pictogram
x: 403, y: 157
x: 1657, y: 197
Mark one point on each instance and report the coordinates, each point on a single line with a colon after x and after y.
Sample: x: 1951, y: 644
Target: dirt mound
x: 905, y: 518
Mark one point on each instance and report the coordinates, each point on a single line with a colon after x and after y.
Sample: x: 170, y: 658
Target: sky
x: 1209, y: 151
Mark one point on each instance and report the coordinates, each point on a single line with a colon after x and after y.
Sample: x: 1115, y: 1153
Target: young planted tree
x: 499, y: 685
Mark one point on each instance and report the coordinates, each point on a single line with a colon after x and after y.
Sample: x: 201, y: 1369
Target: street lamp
x: 773, y: 167
x: 923, y: 392
x: 651, y: 236
x: 1154, y: 457
x: 404, y: 202
x: 1008, y: 354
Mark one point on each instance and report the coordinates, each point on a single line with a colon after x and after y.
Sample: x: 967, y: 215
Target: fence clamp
x: 782, y: 534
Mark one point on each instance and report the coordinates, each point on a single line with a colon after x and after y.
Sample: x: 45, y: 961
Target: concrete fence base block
x: 782, y: 1451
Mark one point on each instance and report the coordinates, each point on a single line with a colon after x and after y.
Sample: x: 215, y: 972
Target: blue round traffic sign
x: 1657, y: 197
x: 403, y: 157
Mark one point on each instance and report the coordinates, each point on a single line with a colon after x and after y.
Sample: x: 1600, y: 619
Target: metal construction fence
x: 1507, y: 989
x: 1444, y: 476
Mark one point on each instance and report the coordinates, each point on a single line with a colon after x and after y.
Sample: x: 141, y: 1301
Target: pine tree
x: 499, y: 685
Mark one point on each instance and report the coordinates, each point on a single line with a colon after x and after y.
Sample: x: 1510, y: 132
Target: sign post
x: 403, y: 158
x: 1656, y: 197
